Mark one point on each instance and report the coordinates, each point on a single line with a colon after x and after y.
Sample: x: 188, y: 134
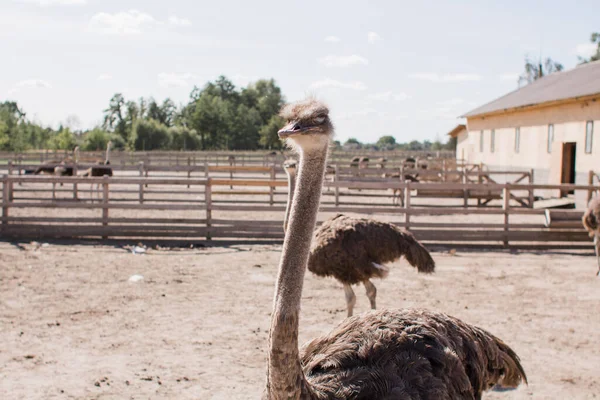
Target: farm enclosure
x: 197, y: 325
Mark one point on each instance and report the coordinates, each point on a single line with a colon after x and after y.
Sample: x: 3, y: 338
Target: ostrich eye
x: 320, y: 119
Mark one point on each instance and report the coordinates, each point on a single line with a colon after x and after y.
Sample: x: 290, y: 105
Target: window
x: 550, y: 137
x: 492, y: 140
x: 517, y: 139
x: 481, y: 142
x: 589, y: 134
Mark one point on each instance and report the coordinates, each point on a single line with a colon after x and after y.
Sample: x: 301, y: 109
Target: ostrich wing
x: 408, y: 354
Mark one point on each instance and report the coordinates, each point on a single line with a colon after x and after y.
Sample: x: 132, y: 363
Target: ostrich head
x: 290, y: 166
x: 307, y: 124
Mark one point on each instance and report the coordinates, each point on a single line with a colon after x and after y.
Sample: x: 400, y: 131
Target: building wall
x: 569, y: 122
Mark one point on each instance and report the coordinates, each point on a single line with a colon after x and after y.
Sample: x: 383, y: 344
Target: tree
x: 150, y: 135
x: 386, y: 142
x: 183, y: 138
x: 595, y: 39
x: 96, y: 139
x: 269, y: 139
x: 63, y: 140
x: 114, y: 116
x: 535, y: 71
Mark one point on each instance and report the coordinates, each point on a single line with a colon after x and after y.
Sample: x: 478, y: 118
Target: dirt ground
x: 195, y: 327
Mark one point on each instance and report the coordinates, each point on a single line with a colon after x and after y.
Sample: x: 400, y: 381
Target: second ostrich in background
x: 591, y: 222
x: 353, y: 250
x: 100, y: 170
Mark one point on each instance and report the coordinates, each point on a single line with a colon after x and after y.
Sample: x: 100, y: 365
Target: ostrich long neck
x: 107, y: 153
x: 285, y: 379
x: 291, y: 173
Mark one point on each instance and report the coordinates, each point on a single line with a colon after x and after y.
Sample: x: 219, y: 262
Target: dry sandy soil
x: 73, y: 327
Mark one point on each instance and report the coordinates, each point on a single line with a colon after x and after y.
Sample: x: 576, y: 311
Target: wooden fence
x: 335, y: 174
x: 125, y: 210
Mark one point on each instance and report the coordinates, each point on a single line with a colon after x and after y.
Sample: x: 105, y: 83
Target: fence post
x: 205, y: 168
x: 590, y: 182
x: 272, y: 188
x: 407, y: 205
x: 5, y: 200
x: 141, y: 190
x: 337, y: 188
x: 531, y: 194
x: 105, y: 203
x: 506, y: 209
x: 208, y: 202
x: 189, y: 160
x: 465, y: 192
x: 10, y: 167
x: 75, y: 187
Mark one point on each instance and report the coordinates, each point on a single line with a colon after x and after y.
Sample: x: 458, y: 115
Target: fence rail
x: 203, y: 214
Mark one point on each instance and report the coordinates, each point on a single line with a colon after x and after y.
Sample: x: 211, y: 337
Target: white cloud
x: 30, y: 84
x: 387, y: 96
x: 174, y: 20
x: 34, y: 83
x: 332, y: 83
x: 373, y: 37
x: 586, y: 49
x: 104, y: 77
x: 332, y: 39
x: 54, y: 2
x: 343, y: 61
x: 433, y: 77
x: 509, y: 77
x: 175, y: 80
x: 121, y: 23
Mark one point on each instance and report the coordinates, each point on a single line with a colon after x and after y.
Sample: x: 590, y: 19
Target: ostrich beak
x: 291, y: 129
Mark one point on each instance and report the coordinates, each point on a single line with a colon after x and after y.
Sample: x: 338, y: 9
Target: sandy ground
x: 73, y: 327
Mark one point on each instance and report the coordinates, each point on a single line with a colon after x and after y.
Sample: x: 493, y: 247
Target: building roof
x: 581, y: 81
x: 454, y: 132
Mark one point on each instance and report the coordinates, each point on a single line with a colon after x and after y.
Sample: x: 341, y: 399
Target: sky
x: 403, y: 68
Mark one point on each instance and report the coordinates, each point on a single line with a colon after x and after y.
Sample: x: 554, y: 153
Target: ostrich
x: 381, y: 162
x: 231, y: 160
x: 66, y: 166
x: 102, y: 168
x: 353, y: 250
x: 290, y: 167
x: 591, y: 222
x: 404, y: 354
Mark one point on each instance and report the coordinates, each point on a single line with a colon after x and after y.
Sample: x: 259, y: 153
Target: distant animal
x: 381, y: 162
x: 355, y: 250
x: 398, y: 196
x: 387, y: 354
x: 591, y: 222
x: 101, y: 169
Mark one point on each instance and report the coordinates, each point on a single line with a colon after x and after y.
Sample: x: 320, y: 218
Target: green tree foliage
x: 150, y: 135
x: 386, y: 142
x: 536, y: 70
x: 96, y: 139
x: 183, y: 138
x: 594, y: 39
x: 268, y: 133
x: 63, y: 140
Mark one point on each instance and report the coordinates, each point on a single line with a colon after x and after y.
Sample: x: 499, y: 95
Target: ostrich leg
x: 371, y: 293
x: 350, y: 298
x: 597, y: 245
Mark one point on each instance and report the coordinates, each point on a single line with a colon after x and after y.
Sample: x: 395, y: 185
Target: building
x: 551, y: 126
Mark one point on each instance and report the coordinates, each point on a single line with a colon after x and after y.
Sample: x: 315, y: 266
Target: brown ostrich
x: 381, y: 162
x: 354, y: 250
x: 387, y: 354
x: 231, y: 160
x: 591, y: 222
x: 101, y: 169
